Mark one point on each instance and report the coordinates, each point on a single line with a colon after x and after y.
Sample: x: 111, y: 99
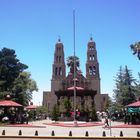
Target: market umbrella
x: 77, y: 88
x: 9, y: 103
x: 135, y: 104
x: 134, y: 107
x: 31, y: 107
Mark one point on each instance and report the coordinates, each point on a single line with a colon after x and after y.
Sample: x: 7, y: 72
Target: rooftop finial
x: 59, y: 38
x: 91, y: 37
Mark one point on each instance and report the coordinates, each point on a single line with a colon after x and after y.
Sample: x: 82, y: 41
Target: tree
x: 137, y: 88
x: 41, y: 109
x: 55, y: 113
x: 124, y: 93
x: 10, y: 68
x: 13, y: 79
x: 136, y: 49
x: 119, y: 86
x: 129, y: 89
x: 94, y: 114
x: 23, y: 88
x: 67, y: 106
x: 70, y: 63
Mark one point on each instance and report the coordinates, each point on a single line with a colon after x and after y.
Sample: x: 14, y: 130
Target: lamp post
x: 109, y: 114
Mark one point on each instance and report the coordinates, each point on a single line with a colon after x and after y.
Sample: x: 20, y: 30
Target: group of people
x: 13, y: 117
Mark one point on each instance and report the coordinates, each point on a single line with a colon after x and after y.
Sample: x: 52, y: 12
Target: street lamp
x: 109, y: 114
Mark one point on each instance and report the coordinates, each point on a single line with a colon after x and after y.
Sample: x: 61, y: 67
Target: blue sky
x: 32, y: 27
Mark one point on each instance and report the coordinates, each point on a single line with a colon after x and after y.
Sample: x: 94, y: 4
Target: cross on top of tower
x: 59, y: 39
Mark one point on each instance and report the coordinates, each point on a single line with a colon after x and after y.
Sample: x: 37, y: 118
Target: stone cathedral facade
x: 88, y: 94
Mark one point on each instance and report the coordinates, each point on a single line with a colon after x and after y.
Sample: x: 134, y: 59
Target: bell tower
x: 92, y: 67
x: 58, y: 67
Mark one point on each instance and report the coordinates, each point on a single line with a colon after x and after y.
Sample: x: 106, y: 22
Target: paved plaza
x: 46, y: 127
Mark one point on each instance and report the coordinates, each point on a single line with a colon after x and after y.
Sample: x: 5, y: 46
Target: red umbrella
x: 135, y: 104
x: 9, y: 103
x: 77, y: 88
x: 31, y: 107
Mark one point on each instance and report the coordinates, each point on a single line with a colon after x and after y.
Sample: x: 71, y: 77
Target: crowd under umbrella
x: 9, y: 109
x: 32, y: 108
x: 134, y: 110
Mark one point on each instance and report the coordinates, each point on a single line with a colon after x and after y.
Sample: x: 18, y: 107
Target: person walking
x: 106, y: 123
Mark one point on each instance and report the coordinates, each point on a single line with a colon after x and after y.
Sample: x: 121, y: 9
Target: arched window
x: 92, y: 70
x: 57, y: 49
x: 55, y: 71
x: 91, y: 47
x: 90, y: 57
x: 59, y: 58
x: 60, y: 71
x: 56, y: 58
x: 93, y: 57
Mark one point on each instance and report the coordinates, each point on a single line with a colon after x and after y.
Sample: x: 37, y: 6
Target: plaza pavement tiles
x: 45, y: 123
x: 43, y: 129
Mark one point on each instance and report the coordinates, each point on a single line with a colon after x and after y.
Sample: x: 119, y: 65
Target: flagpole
x: 74, y: 67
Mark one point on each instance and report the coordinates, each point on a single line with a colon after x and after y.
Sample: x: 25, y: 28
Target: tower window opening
x: 56, y: 58
x: 60, y: 71
x: 90, y: 57
x: 93, y: 57
x: 57, y: 49
x: 91, y: 48
x: 55, y: 71
x: 59, y: 58
x: 92, y: 70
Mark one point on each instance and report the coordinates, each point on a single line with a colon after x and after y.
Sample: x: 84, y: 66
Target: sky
x: 32, y: 28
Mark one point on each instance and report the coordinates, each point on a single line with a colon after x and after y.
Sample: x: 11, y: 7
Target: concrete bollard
x: 3, y: 132
x: 138, y: 134
x: 36, y: 133
x: 104, y: 134
x: 70, y: 133
x: 53, y: 134
x: 121, y: 134
x: 20, y: 132
x: 86, y: 134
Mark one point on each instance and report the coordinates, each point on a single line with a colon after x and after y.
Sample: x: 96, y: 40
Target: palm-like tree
x: 136, y: 49
x: 70, y: 63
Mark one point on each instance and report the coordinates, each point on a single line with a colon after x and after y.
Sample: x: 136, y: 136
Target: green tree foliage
x: 10, y: 68
x: 94, y: 115
x: 124, y: 93
x: 108, y: 104
x: 55, y: 113
x: 67, y: 106
x: 137, y: 87
x: 136, y: 49
x: 23, y: 88
x: 70, y: 63
x: 13, y: 79
x: 41, y: 110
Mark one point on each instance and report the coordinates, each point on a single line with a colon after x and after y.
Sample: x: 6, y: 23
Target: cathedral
x: 88, y: 94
